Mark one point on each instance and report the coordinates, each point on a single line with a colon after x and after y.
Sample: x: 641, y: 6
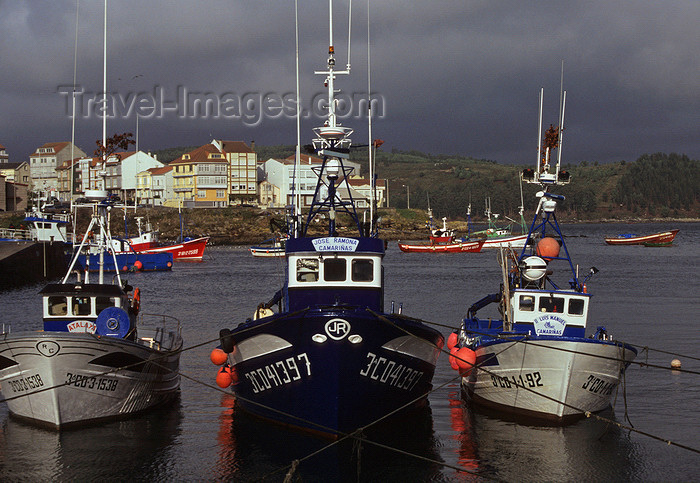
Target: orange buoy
x: 138, y: 265
x: 124, y: 268
x: 223, y: 378
x: 548, y: 248
x: 466, y: 358
x: 218, y: 357
x: 453, y: 361
x: 452, y: 340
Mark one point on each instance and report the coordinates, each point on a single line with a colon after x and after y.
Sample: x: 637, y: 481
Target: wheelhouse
x: 549, y: 312
x: 65, y: 304
x: 350, y: 273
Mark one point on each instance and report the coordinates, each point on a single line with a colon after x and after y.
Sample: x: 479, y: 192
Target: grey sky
x: 454, y: 76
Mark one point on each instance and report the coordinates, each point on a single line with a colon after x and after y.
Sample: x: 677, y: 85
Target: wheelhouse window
x: 527, y: 303
x: 552, y: 304
x: 307, y: 270
x: 58, y: 305
x: 334, y: 269
x: 81, y: 305
x: 576, y: 306
x: 102, y: 303
x: 362, y: 270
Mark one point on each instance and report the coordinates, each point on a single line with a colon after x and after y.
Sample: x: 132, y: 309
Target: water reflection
x: 253, y: 449
x: 139, y: 448
x: 515, y: 450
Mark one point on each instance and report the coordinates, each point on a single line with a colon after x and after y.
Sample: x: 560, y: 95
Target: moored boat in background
x: 273, y: 247
x: 147, y: 242
x: 470, y: 246
x: 663, y: 238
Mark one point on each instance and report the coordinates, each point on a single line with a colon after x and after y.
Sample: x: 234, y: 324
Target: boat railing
x: 159, y: 331
x: 15, y: 234
x: 163, y: 322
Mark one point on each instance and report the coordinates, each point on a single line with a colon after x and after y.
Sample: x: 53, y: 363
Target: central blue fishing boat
x: 330, y: 360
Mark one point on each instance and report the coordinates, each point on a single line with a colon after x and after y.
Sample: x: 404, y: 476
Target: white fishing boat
x: 97, y: 357
x: 536, y: 358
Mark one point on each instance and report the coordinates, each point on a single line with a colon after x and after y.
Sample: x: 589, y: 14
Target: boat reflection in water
x: 136, y: 449
x: 250, y: 451
x: 509, y: 448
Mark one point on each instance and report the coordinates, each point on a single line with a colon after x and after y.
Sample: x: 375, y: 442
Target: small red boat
x: 147, y: 242
x: 188, y: 250
x: 664, y: 238
x: 474, y: 246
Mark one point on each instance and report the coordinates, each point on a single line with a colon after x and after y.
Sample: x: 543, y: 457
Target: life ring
x: 136, y: 301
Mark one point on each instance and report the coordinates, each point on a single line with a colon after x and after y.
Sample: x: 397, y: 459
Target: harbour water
x: 645, y: 296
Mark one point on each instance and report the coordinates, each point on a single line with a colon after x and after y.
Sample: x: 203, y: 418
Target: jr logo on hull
x: 337, y: 329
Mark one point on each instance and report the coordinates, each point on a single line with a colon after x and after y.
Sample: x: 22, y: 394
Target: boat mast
x: 104, y: 95
x: 333, y: 144
x: 72, y: 134
x: 296, y: 196
x: 372, y: 181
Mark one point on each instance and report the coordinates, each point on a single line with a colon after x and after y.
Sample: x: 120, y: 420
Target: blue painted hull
x: 287, y: 373
x: 126, y: 262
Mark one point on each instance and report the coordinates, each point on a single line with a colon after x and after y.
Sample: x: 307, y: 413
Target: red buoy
x: 223, y: 378
x: 452, y: 340
x: 218, y: 357
x: 138, y: 265
x: 548, y: 248
x: 453, y: 361
x: 466, y: 358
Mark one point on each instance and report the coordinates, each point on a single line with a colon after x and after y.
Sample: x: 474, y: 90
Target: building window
x: 201, y: 194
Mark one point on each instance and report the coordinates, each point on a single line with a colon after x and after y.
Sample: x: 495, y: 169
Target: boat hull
x: 191, y: 250
x: 267, y: 252
x: 533, y: 378
x: 332, y: 371
x: 514, y: 241
x: 456, y: 247
x: 127, y: 261
x: 657, y: 239
x: 62, y: 379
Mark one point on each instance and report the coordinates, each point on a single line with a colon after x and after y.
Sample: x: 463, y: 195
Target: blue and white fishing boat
x: 97, y: 356
x: 330, y: 360
x: 535, y: 358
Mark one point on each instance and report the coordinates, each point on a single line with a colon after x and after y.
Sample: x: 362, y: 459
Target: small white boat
x: 274, y: 247
x: 97, y: 357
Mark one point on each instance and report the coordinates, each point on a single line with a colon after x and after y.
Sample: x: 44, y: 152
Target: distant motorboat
x: 273, y: 247
x: 663, y: 238
x: 451, y: 247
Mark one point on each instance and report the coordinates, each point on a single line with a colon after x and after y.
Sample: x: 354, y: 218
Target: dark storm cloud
x: 455, y: 76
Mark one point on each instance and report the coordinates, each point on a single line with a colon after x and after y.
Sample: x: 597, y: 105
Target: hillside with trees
x: 654, y: 186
